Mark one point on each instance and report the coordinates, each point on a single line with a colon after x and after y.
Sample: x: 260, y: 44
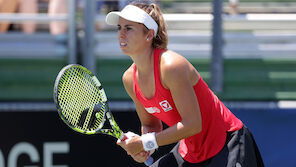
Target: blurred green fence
x: 28, y: 79
x: 244, y: 79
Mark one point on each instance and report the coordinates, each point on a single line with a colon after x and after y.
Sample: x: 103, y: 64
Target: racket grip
x: 124, y: 138
x: 149, y: 161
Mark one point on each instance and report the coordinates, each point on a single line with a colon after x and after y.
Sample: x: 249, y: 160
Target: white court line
x: 262, y: 105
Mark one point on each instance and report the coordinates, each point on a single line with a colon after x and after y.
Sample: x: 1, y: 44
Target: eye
x: 128, y: 28
x: 118, y: 27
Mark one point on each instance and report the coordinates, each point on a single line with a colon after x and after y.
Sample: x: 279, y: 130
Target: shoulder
x: 174, y: 67
x: 173, y: 63
x: 171, y: 60
x: 127, y: 79
x: 128, y: 74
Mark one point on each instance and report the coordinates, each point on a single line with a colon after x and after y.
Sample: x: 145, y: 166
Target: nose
x: 121, y: 33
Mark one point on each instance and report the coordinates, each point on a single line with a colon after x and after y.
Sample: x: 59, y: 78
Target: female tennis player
x: 165, y: 87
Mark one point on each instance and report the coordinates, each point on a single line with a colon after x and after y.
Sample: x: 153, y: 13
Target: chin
x: 124, y: 51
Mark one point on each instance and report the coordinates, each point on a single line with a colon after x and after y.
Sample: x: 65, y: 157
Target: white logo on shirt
x: 152, y: 110
x: 165, y: 105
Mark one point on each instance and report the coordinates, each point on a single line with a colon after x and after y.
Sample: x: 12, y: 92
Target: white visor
x: 134, y: 14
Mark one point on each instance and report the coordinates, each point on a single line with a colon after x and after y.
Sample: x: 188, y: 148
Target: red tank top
x: 216, y: 117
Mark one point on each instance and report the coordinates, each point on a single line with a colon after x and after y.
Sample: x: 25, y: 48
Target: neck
x: 144, y: 61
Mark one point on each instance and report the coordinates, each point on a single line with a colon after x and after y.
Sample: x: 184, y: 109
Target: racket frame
x: 115, y: 131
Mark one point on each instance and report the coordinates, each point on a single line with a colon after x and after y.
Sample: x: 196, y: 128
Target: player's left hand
x: 141, y: 157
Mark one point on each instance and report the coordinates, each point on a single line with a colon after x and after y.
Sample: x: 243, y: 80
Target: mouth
x: 123, y: 44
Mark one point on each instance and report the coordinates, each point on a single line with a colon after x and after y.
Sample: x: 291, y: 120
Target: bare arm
x: 149, y: 123
x: 179, y: 76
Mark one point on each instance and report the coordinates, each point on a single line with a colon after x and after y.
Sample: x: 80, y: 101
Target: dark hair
x: 161, y: 38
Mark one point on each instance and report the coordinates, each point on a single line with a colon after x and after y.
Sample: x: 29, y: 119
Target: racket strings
x: 77, y: 94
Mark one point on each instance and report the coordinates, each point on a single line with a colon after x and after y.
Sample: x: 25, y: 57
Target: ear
x: 150, y: 35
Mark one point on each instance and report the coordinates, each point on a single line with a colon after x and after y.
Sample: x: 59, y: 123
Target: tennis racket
x: 82, y: 103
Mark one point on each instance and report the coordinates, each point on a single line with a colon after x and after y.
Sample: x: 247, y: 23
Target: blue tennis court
x: 274, y: 130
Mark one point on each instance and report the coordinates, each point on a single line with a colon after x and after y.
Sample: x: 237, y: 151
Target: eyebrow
x: 127, y: 25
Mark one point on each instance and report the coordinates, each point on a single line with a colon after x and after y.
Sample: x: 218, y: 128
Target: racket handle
x: 149, y: 161
x: 124, y: 138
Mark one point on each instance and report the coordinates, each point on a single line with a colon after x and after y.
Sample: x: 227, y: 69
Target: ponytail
x: 161, y: 39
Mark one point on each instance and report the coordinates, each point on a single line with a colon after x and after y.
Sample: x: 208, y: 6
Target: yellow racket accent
x: 80, y: 99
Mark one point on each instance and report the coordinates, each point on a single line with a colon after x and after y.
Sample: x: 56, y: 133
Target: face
x: 131, y: 37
